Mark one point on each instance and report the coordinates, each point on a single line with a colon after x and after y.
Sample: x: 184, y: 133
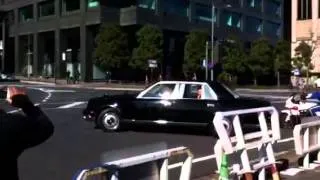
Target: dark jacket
x: 19, y: 132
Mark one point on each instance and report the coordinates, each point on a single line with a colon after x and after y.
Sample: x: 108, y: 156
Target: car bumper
x: 88, y: 115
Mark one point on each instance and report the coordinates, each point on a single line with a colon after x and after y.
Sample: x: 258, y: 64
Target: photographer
x: 19, y: 132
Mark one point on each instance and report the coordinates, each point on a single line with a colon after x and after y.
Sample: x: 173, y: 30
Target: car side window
x: 207, y: 94
x: 192, y: 91
x: 160, y: 91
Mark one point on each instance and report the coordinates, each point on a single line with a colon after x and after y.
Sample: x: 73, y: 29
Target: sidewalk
x: 87, y: 85
x: 312, y: 174
x: 127, y: 86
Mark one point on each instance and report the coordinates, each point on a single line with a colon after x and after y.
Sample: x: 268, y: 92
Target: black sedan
x: 170, y: 103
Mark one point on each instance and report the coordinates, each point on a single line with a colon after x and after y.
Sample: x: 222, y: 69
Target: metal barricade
x: 307, y: 140
x: 261, y: 140
x: 139, y: 167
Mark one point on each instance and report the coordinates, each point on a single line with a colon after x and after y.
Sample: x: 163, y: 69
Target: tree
x: 260, y: 58
x: 234, y: 61
x: 194, y: 51
x: 282, y: 58
x: 112, y: 48
x: 302, y: 59
x: 150, y: 40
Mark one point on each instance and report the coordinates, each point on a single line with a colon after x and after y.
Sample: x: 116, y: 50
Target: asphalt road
x: 76, y: 144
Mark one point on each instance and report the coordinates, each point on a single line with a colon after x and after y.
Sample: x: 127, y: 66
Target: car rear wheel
x: 109, y: 120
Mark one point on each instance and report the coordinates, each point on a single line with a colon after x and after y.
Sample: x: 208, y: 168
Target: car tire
x: 109, y: 120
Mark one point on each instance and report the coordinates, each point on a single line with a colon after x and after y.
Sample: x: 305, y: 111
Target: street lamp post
x: 212, y: 37
x: 206, y: 61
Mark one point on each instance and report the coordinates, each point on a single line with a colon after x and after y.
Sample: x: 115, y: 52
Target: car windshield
x: 222, y: 91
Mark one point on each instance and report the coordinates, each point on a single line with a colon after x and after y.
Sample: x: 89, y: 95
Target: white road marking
x: 285, y: 140
x: 212, y: 156
x: 18, y: 110
x: 118, y: 89
x: 71, y: 105
x: 264, y: 96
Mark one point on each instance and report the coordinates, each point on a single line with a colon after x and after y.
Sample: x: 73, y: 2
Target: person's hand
x: 13, y: 92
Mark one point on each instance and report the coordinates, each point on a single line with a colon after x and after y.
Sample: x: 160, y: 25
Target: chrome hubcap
x: 110, y: 121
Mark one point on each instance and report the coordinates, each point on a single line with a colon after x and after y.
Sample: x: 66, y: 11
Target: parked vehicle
x: 167, y: 103
x: 7, y: 78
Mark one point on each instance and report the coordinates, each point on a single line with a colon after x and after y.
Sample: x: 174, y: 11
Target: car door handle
x: 210, y: 105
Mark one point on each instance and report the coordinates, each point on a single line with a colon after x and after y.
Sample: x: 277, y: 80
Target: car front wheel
x: 109, y: 120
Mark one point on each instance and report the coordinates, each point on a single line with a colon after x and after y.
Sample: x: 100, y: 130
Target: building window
x: 147, y: 4
x: 176, y: 7
x: 273, y: 7
x: 93, y: 3
x: 204, y: 13
x: 254, y: 4
x: 253, y: 25
x: 70, y: 5
x: 304, y: 9
x: 319, y: 8
x: 272, y: 29
x: 11, y: 17
x: 46, y: 8
x: 231, y: 19
x: 26, y: 13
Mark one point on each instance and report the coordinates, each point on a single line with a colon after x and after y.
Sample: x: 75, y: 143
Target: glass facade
x: 147, y: 4
x: 231, y: 19
x: 46, y: 8
x: 204, y: 13
x: 177, y: 7
x: 70, y: 5
x: 273, y: 7
x: 93, y: 3
x: 253, y: 25
x: 254, y: 3
x: 272, y: 29
x: 26, y: 13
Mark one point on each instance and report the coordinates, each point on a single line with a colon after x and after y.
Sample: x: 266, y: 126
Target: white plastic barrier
x: 307, y: 140
x: 140, y: 167
x: 262, y: 140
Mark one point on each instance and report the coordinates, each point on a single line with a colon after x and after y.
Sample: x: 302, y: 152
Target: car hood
x: 243, y: 103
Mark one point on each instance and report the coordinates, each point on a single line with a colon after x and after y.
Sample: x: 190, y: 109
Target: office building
x: 52, y: 36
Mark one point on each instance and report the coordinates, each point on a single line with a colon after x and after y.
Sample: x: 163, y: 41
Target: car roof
x: 167, y: 81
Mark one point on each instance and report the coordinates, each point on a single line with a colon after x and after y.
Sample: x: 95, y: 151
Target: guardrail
x: 140, y: 166
x: 261, y: 140
x: 307, y: 140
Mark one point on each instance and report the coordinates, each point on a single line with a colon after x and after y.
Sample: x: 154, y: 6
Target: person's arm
x: 33, y: 128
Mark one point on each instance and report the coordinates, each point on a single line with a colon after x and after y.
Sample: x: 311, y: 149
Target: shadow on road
x: 183, y: 130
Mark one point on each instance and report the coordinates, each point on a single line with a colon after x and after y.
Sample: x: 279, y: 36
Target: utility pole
x: 212, y: 37
x: 207, y: 57
x: 29, y: 56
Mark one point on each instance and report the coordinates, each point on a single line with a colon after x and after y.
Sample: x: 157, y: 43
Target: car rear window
x: 222, y: 92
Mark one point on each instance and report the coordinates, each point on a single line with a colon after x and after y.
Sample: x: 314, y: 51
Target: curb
x: 82, y: 86
x: 37, y: 82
